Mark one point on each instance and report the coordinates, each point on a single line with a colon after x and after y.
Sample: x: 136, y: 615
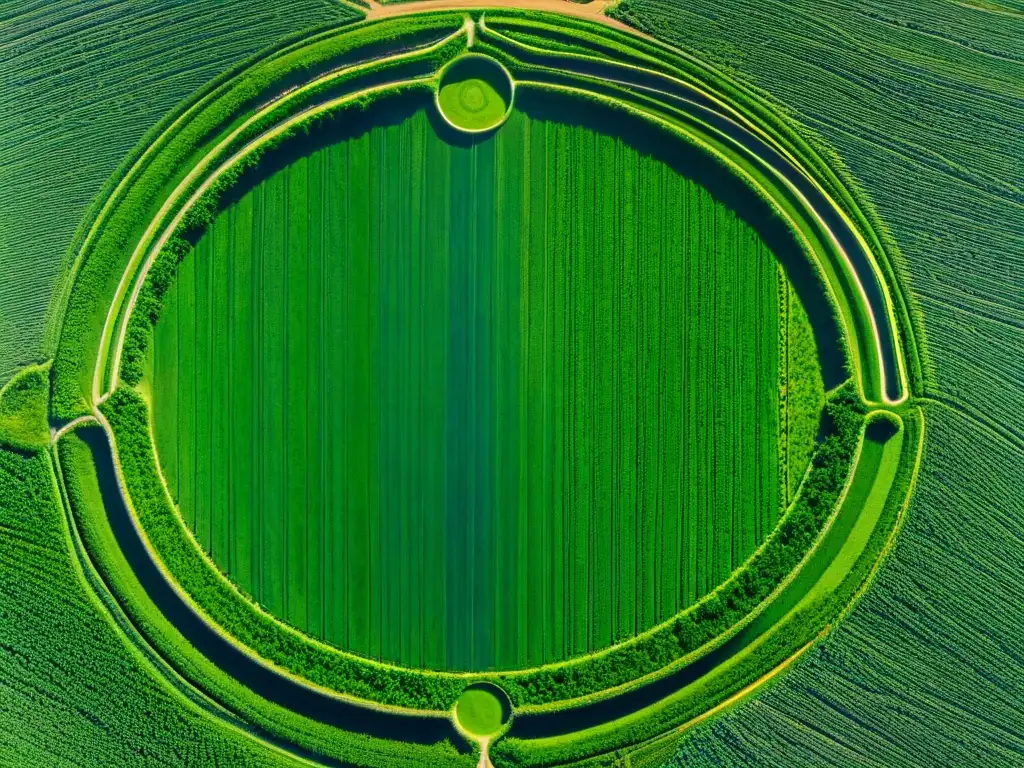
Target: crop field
x: 152, y: 59
x: 387, y: 384
x: 928, y: 144
x: 639, y: 292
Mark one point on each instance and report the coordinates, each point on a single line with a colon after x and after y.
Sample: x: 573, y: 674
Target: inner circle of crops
x: 471, y: 405
x: 479, y: 406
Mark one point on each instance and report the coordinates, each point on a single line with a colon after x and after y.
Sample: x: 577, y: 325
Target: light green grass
x: 474, y: 93
x: 479, y: 712
x: 23, y: 408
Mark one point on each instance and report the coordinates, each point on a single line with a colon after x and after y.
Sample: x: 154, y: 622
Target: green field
x: 480, y: 711
x: 478, y: 402
x: 914, y: 99
x: 351, y: 392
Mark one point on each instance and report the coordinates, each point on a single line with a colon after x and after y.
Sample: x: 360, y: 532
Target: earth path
x: 594, y: 10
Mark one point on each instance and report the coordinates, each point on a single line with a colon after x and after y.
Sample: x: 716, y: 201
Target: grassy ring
x: 431, y: 695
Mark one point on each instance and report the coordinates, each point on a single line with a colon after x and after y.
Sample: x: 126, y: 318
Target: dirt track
x: 593, y: 10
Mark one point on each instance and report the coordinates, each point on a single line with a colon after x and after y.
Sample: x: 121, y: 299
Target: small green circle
x: 475, y: 93
x: 474, y: 97
x: 482, y: 709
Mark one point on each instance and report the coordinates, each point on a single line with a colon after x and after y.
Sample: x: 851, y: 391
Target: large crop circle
x: 602, y: 402
x: 470, y: 420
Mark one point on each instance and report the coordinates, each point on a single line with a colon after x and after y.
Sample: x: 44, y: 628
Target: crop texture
x: 545, y: 538
x: 470, y: 404
x: 70, y: 115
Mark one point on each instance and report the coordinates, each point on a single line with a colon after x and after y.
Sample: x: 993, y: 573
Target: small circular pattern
x: 473, y: 97
x: 474, y: 93
x: 483, y: 710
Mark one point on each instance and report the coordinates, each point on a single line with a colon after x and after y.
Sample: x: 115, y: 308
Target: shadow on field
x: 696, y: 165
x: 272, y: 686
